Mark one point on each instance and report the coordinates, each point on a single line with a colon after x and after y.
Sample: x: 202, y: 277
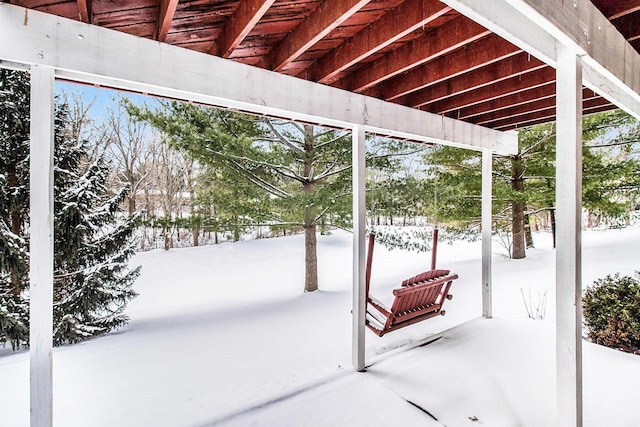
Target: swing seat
x: 419, y: 298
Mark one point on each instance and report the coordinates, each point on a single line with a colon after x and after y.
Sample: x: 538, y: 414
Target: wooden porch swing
x: 418, y: 298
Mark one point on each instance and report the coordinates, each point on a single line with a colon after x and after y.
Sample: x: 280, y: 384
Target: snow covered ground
x: 224, y: 335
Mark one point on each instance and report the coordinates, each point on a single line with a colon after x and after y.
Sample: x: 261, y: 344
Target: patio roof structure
x: 457, y: 72
x: 448, y: 58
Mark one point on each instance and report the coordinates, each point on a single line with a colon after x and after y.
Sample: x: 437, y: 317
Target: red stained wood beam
x: 441, y: 41
x: 246, y: 17
x: 508, y: 87
x: 399, y: 22
x: 524, y: 97
x: 593, y: 106
x: 538, y: 101
x: 167, y: 10
x: 617, y: 8
x: 629, y: 26
x: 84, y: 10
x: 321, y: 22
x: 516, y: 65
x: 489, y: 50
x: 589, y: 106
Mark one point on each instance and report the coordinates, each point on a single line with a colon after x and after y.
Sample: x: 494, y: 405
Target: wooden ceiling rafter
x: 84, y: 11
x: 474, y: 112
x: 313, y: 29
x: 616, y: 9
x: 391, y: 27
x: 542, y: 100
x: 507, y: 87
x: 488, y: 50
x: 246, y: 16
x: 167, y: 11
x: 590, y: 106
x: 508, y: 68
x: 441, y: 41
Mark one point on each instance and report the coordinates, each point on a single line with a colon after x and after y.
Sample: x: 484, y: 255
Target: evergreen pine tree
x: 14, y: 206
x: 92, y: 282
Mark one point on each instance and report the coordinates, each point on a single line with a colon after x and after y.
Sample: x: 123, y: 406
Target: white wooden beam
x: 506, y: 21
x: 610, y: 63
x: 568, y: 240
x: 487, y: 171
x: 41, y: 246
x: 98, y: 55
x: 359, y: 209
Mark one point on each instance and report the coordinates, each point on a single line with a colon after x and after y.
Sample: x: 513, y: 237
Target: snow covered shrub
x: 611, y: 309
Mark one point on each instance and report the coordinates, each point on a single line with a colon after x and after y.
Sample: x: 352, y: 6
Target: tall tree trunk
x: 517, y: 210
x: 168, y: 241
x: 132, y: 204
x: 195, y: 230
x: 196, y: 235
x: 310, y: 243
x: 527, y: 231
x: 310, y: 256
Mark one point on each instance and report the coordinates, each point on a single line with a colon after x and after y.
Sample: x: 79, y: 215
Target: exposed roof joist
x: 513, y: 66
x: 441, y: 41
x: 487, y: 51
x: 540, y: 101
x: 167, y: 11
x: 618, y: 8
x: 326, y: 18
x: 406, y: 18
x: 84, y: 10
x: 239, y: 25
x: 512, y: 99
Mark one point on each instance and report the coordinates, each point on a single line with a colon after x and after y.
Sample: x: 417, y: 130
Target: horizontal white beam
x: 501, y: 18
x: 95, y: 55
x: 610, y: 63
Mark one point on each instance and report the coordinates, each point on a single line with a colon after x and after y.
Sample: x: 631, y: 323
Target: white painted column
x: 487, y: 193
x: 568, y: 237
x: 359, y: 298
x: 41, y: 246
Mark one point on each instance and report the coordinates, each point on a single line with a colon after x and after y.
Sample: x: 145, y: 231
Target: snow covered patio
x: 207, y: 346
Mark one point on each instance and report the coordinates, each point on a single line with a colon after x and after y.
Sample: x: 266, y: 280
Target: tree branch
x: 283, y: 139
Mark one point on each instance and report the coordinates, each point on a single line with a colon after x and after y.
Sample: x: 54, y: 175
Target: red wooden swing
x: 419, y: 297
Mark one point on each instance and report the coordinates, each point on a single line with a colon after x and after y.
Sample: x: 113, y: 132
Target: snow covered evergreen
x: 92, y: 282
x: 14, y: 206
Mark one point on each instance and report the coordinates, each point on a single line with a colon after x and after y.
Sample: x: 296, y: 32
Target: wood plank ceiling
x: 418, y: 53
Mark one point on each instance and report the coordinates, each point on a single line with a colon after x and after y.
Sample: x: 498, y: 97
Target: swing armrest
x: 378, y: 305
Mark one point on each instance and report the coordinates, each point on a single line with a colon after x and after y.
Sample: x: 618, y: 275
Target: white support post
x: 568, y: 239
x: 487, y: 189
x: 359, y: 298
x: 41, y: 246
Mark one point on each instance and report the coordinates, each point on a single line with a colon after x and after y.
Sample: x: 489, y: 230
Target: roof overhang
x: 90, y: 54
